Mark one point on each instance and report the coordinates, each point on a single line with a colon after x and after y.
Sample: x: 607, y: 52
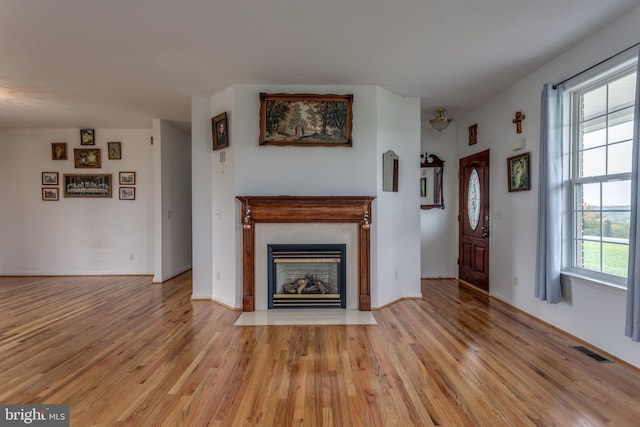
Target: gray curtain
x: 549, y: 247
x: 633, y: 282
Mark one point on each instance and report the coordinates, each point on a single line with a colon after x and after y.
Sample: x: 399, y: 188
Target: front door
x: 473, y: 246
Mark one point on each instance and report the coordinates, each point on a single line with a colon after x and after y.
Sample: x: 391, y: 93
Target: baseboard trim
x: 565, y: 333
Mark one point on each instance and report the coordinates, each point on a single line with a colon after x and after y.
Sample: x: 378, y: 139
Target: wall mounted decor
x: 58, y: 151
x: 127, y: 178
x: 518, y: 121
x: 50, y: 194
x: 49, y: 178
x: 305, y: 119
x: 518, y: 167
x: 431, y: 182
x: 87, y: 157
x: 89, y: 185
x: 219, y: 131
x: 87, y: 137
x: 115, y: 150
x: 390, y: 171
x: 127, y: 193
x: 473, y: 134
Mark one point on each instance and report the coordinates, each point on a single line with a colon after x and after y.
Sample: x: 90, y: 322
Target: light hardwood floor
x: 123, y: 352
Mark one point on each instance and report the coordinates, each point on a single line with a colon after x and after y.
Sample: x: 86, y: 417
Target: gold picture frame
x: 88, y: 185
x: 87, y: 158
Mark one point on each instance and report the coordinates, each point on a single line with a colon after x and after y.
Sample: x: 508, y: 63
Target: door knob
x: 485, y: 231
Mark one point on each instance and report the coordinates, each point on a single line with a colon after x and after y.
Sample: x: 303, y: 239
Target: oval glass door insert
x: 473, y: 199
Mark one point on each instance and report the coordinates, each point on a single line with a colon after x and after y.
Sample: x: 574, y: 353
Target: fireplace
x: 306, y: 275
x: 305, y: 209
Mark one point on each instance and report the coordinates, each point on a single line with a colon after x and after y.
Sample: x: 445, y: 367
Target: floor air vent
x: 592, y: 354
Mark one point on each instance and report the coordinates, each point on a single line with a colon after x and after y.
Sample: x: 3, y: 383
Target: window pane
x: 594, y: 103
x: 623, y: 129
x: 615, y: 227
x: 594, y: 134
x: 619, y: 158
x: 616, y: 195
x: 622, y: 92
x: 593, y: 162
x: 615, y: 259
x: 588, y: 196
x: 590, y: 255
x: 590, y: 225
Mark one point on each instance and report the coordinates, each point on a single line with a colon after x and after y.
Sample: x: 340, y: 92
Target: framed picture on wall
x: 87, y: 137
x: 87, y: 157
x: 220, y: 131
x: 305, y: 119
x: 127, y: 178
x: 127, y: 193
x: 87, y: 185
x: 518, y: 169
x: 49, y: 178
x: 115, y: 150
x: 58, y: 151
x: 50, y: 194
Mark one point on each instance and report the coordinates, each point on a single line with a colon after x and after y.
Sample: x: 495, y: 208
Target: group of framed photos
x: 87, y: 185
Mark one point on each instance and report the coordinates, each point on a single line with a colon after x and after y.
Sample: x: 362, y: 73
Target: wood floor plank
x: 124, y: 352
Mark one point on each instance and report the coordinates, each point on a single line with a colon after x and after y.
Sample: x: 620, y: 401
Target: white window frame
x: 600, y: 76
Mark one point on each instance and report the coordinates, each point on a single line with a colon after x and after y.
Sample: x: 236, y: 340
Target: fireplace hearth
x: 306, y: 275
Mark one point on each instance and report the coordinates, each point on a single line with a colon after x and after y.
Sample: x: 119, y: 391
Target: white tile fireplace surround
x: 305, y: 233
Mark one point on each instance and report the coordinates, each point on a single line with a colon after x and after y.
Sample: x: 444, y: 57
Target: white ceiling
x: 121, y: 63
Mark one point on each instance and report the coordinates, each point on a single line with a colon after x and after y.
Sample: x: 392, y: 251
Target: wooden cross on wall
x: 518, y: 121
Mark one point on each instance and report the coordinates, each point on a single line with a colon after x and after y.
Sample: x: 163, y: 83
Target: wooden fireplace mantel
x: 304, y: 209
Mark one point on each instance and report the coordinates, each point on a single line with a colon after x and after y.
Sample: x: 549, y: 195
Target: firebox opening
x: 306, y: 275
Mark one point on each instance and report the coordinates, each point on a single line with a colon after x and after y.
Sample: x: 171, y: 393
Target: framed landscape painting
x: 305, y: 119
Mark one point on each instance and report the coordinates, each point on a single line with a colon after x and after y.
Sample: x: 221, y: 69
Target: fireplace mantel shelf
x: 305, y: 209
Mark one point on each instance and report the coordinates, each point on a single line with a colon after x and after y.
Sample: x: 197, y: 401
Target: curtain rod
x: 555, y: 86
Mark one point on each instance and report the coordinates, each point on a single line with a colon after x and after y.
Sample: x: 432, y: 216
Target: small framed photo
x: 115, y: 150
x: 518, y: 168
x: 127, y: 193
x: 220, y: 131
x: 58, y: 151
x: 49, y: 178
x: 50, y: 194
x: 87, y: 157
x: 87, y: 137
x: 473, y: 134
x: 127, y: 178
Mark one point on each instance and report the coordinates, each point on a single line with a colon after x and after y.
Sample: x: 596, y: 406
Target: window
x: 599, y: 181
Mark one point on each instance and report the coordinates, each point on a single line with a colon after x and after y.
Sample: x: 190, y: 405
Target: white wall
x: 73, y: 235
x: 172, y: 201
x: 396, y: 241
x: 251, y: 169
x: 201, y: 191
x: 438, y: 249
x: 589, y: 311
